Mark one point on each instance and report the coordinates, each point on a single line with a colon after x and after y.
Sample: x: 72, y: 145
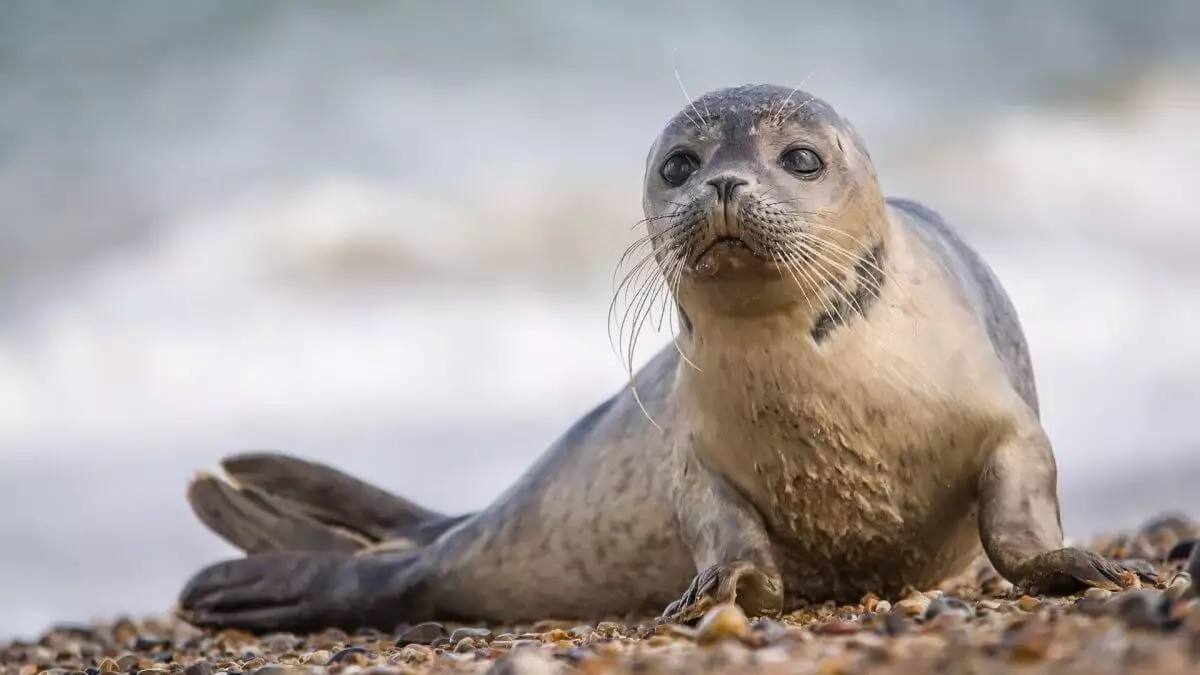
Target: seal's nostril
x: 725, y: 186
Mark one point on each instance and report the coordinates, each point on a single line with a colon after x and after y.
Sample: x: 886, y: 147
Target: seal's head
x: 758, y: 197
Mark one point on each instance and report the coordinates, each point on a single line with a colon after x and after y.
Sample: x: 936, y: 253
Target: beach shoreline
x: 975, y: 622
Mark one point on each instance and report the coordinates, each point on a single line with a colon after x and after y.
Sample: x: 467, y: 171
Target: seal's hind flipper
x: 302, y: 592
x: 257, y: 523
x: 326, y: 494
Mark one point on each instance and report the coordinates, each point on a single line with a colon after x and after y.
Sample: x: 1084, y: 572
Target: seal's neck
x: 783, y: 315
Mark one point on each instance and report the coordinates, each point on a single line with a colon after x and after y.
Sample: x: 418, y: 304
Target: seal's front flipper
x: 257, y: 523
x: 326, y: 494
x: 740, y: 582
x: 730, y: 546
x: 304, y: 592
x: 1021, y: 529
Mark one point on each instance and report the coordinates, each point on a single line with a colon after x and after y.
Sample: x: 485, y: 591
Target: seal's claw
x: 755, y: 591
x: 1071, y: 570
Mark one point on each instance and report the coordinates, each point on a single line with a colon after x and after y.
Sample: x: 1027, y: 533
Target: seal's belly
x: 846, y: 519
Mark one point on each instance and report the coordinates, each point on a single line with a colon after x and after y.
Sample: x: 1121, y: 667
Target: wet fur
x: 845, y: 456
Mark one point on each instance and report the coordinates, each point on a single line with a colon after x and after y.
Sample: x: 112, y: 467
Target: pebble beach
x: 974, y: 623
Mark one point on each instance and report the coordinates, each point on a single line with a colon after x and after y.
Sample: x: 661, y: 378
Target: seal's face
x: 759, y: 185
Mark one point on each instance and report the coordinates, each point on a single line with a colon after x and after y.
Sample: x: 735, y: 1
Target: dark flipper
x: 258, y: 523
x: 1021, y: 531
x: 304, y: 592
x: 326, y: 494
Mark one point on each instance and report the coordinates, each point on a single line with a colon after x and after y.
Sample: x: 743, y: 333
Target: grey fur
x: 807, y: 459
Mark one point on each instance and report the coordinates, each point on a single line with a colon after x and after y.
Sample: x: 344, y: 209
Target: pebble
x: 423, y: 633
x: 145, y: 643
x: 523, y: 662
x: 199, y: 668
x: 948, y: 605
x: 356, y: 656
x: 769, y: 632
x: 473, y: 633
x: 894, y: 624
x: 1181, y: 550
x: 465, y: 645
x: 317, y: 658
x: 1138, y: 609
x: 914, y: 605
x: 836, y: 627
x: 1157, y: 630
x: 721, y: 622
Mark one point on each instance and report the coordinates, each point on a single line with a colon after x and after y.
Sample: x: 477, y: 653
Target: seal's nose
x: 725, y: 186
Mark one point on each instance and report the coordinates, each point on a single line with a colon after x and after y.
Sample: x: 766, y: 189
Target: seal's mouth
x: 727, y: 242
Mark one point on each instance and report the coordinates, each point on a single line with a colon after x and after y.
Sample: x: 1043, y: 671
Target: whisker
x: 674, y: 67
x: 777, y: 116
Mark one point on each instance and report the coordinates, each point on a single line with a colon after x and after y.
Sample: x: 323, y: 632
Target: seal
x: 849, y: 407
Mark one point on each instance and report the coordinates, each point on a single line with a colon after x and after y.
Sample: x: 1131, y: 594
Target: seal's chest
x: 829, y: 473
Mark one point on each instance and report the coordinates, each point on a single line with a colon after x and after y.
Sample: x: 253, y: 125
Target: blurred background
x: 382, y: 235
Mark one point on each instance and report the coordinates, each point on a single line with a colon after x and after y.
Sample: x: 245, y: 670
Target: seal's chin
x: 731, y: 258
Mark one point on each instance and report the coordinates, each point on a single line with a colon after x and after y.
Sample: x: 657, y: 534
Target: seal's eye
x: 803, y: 162
x: 679, y: 167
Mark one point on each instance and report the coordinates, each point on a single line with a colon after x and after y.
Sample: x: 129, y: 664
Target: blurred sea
x: 382, y: 235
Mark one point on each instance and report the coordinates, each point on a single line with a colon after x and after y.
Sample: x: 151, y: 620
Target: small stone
x: 555, y: 635
x: 1138, y: 609
x: 869, y: 602
x: 126, y: 662
x: 1094, y: 601
x: 526, y: 644
x: 423, y: 633
x: 152, y: 671
x: 582, y: 630
x: 317, y: 658
x: 280, y: 642
x: 769, y: 632
x: 109, y: 666
x: 609, y: 629
x: 914, y: 605
x: 473, y: 633
x: 1181, y: 550
x: 275, y: 669
x: 199, y: 668
x: 723, y: 621
x: 523, y: 662
x: 1179, y: 587
x: 254, y: 663
x: 948, y: 605
x: 355, y: 656
x: 1028, y: 603
x: 465, y: 645
x: 1031, y: 643
x: 894, y: 624
x: 575, y: 655
x: 1128, y: 579
x: 413, y: 654
x: 836, y: 627
x: 883, y: 607
x: 145, y: 643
